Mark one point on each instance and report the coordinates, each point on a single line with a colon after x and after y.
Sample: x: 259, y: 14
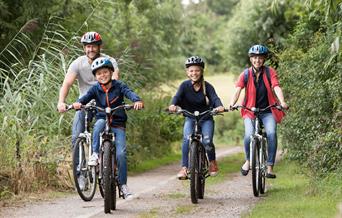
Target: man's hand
x: 61, y: 107
x: 138, y: 105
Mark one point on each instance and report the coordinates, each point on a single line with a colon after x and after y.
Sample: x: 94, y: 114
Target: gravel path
x: 157, y: 193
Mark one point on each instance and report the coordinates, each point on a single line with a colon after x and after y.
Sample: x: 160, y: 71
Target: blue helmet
x: 101, y: 62
x: 194, y: 60
x: 258, y: 50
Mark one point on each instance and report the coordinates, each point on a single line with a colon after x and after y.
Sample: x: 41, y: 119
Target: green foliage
x: 311, y: 77
x: 151, y: 132
x: 229, y: 129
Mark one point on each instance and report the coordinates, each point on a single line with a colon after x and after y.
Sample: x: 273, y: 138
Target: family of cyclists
x: 98, y: 78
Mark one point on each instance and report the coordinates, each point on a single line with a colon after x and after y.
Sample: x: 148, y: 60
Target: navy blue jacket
x: 115, y: 95
x: 189, y: 99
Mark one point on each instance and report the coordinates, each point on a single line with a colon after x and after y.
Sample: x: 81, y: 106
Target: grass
x: 293, y: 194
x: 155, y: 163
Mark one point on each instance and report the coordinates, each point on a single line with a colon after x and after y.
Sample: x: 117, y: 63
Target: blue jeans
x: 207, y: 127
x: 120, y: 142
x: 271, y: 131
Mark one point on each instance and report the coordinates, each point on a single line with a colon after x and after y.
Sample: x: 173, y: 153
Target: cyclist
x: 80, y: 69
x: 260, y: 84
x: 196, y: 94
x: 110, y: 93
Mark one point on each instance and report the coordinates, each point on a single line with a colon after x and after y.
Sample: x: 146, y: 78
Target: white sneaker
x: 127, y: 194
x: 93, y: 159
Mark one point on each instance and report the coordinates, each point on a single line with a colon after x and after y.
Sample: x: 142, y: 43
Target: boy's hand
x: 77, y: 105
x: 138, y: 105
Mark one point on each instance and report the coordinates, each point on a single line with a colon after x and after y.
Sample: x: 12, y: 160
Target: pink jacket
x: 250, y: 97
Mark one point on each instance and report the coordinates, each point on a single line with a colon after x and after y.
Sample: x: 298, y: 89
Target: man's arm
x: 69, y: 79
x: 116, y: 74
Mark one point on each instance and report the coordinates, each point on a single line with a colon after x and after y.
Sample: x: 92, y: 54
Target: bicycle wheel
x: 114, y: 184
x: 263, y: 167
x: 255, y: 167
x: 84, y: 175
x: 194, y: 177
x: 202, y: 173
x: 107, y: 174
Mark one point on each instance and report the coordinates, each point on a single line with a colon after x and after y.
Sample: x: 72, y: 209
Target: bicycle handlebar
x: 257, y: 110
x: 212, y: 112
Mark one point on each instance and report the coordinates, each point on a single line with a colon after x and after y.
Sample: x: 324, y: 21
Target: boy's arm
x: 88, y: 96
x: 128, y: 93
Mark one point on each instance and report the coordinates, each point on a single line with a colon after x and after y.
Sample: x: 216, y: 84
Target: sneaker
x: 93, y: 159
x: 127, y: 194
x: 183, y: 173
x: 82, y: 182
x: 213, y: 168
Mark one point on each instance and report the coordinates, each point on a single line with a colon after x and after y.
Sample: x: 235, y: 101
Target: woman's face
x: 194, y: 73
x: 103, y: 75
x: 257, y: 61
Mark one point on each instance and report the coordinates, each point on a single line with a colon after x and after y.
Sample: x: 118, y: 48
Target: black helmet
x: 91, y: 38
x: 101, y: 62
x: 194, y: 60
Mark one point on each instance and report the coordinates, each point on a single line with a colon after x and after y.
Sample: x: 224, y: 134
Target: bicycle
x: 258, y: 150
x: 198, y: 162
x: 108, y: 178
x: 84, y: 175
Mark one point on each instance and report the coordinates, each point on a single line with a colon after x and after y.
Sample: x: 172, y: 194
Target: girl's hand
x: 220, y: 109
x: 172, y: 108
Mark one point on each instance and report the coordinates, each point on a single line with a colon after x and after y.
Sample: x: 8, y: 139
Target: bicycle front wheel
x: 263, y: 167
x: 84, y: 175
x: 202, y: 168
x: 107, y: 174
x: 255, y: 167
x: 194, y: 177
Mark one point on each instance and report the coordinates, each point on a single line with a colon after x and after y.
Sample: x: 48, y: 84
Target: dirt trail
x: 157, y: 193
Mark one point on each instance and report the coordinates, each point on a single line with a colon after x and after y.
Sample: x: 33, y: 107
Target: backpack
x: 246, y: 73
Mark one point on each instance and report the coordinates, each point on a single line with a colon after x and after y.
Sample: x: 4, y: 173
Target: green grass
x: 227, y: 165
x: 155, y: 163
x: 293, y: 194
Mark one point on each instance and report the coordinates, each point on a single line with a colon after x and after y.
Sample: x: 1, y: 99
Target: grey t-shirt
x: 84, y: 76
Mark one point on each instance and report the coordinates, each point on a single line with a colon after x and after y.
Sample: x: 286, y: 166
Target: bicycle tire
x: 202, y: 173
x: 194, y: 172
x: 255, y: 167
x: 114, y: 183
x: 87, y: 172
x: 107, y: 174
x: 263, y: 159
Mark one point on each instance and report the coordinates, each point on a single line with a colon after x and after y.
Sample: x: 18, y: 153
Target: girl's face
x: 103, y: 75
x: 194, y: 73
x: 257, y: 61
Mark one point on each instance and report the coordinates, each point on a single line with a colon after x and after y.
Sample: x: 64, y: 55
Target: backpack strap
x: 245, y: 77
x: 268, y: 75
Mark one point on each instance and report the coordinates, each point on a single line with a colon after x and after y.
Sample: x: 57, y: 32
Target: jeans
x: 271, y: 131
x: 120, y: 142
x: 207, y: 127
